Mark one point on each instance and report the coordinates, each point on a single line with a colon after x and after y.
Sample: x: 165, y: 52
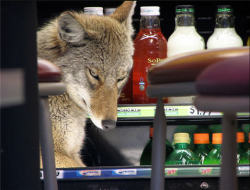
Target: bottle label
x: 141, y: 84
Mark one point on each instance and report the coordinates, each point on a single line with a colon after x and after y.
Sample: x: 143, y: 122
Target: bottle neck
x: 224, y: 21
x: 184, y: 20
x: 201, y: 146
x: 150, y: 22
x: 217, y: 146
x: 181, y: 146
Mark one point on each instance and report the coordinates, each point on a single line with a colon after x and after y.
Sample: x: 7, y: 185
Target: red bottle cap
x: 217, y: 138
x: 240, y: 137
x: 201, y: 138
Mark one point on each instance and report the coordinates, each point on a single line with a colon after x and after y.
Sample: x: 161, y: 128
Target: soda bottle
x: 147, y: 151
x: 201, y: 141
x: 182, y: 155
x: 224, y: 34
x: 150, y: 48
x: 242, y: 155
x: 214, y: 156
x: 185, y: 38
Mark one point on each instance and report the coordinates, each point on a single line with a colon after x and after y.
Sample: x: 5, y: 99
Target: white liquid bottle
x: 224, y: 35
x: 184, y: 39
x: 93, y: 11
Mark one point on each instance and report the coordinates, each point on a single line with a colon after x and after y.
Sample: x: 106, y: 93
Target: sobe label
x: 150, y: 62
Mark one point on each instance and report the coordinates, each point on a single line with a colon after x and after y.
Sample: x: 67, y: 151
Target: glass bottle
x: 93, y: 11
x: 184, y: 39
x: 182, y: 155
x: 147, y: 151
x: 150, y: 48
x: 224, y: 35
x: 201, y: 141
x: 214, y: 156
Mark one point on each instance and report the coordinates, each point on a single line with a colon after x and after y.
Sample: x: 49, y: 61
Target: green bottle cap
x: 224, y: 9
x: 184, y: 9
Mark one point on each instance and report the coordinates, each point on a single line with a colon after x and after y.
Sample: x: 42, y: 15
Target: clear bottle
x: 93, y: 11
x: 224, y: 35
x: 214, y: 156
x: 147, y: 151
x: 150, y: 48
x: 182, y: 155
x: 201, y: 141
x: 184, y: 39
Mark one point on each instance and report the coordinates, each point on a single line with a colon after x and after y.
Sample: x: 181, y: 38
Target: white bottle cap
x: 109, y: 11
x: 93, y: 10
x: 150, y: 11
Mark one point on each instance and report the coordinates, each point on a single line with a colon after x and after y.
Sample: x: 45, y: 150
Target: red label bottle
x: 150, y: 48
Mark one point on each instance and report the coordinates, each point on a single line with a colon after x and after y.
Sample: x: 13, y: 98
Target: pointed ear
x: 70, y: 30
x: 124, y: 14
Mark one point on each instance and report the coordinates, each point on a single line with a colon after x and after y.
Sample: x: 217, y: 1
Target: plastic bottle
x: 224, y: 35
x: 201, y: 141
x: 242, y: 157
x: 214, y: 156
x: 147, y: 151
x: 184, y: 39
x: 150, y: 48
x: 93, y: 11
x: 109, y: 11
x: 182, y: 155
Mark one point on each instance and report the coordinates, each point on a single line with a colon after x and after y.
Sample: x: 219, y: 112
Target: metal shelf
x: 143, y: 172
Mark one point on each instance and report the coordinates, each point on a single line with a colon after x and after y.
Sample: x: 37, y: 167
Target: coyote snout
x: 103, y: 106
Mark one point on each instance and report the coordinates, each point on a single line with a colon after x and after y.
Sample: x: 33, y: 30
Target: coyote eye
x: 93, y: 74
x: 121, y: 79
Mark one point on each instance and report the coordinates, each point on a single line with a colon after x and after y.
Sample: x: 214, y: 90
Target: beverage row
x: 151, y: 46
x: 200, y: 151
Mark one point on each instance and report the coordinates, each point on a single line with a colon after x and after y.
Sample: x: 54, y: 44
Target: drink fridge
x: 119, y: 159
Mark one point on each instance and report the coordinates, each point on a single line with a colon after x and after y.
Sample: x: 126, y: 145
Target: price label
x: 195, y: 112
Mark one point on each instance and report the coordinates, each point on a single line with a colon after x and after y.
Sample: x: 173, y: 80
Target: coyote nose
x: 108, y: 124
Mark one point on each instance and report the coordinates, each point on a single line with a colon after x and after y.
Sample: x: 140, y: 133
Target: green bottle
x: 182, y: 155
x: 214, y: 156
x: 147, y: 152
x: 243, y: 156
x: 201, y: 142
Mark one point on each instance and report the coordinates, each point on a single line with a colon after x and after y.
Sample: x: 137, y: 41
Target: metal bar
x: 229, y: 153
x: 47, y: 147
x: 158, y: 151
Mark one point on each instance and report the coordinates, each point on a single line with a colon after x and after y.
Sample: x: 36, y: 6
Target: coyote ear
x: 70, y: 30
x: 124, y: 14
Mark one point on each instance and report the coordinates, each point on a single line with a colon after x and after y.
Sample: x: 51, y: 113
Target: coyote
x: 95, y: 56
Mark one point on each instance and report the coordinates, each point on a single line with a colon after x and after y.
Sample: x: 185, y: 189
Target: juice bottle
x: 146, y: 156
x: 201, y: 141
x: 214, y: 156
x: 150, y: 48
x: 224, y: 35
x: 184, y: 39
x: 182, y: 155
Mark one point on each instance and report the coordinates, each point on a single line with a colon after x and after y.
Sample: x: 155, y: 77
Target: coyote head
x: 95, y: 56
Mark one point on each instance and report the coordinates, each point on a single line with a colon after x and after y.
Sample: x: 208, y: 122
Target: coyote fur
x: 94, y: 54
